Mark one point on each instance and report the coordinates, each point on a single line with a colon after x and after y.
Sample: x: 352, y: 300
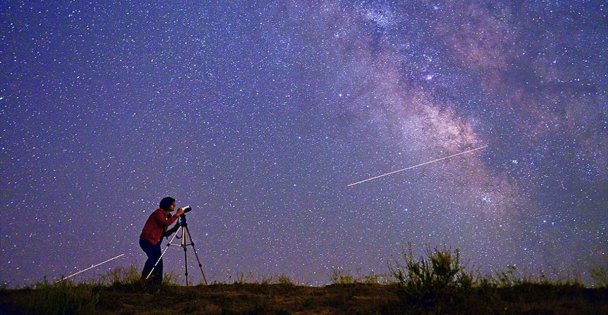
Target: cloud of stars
x: 260, y: 115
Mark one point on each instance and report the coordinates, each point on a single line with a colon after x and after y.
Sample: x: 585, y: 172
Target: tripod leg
x: 184, y: 246
x: 161, y: 256
x: 200, y: 266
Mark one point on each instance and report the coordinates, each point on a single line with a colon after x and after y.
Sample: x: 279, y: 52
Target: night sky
x: 259, y: 114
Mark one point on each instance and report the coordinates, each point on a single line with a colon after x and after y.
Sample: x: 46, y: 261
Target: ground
x: 292, y: 299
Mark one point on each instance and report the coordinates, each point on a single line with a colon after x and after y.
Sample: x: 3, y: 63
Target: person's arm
x: 172, y: 230
x: 162, y: 221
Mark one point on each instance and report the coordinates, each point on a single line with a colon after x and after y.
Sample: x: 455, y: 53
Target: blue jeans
x: 153, y: 252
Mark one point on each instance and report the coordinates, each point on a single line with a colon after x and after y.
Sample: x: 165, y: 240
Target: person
x: 151, y: 237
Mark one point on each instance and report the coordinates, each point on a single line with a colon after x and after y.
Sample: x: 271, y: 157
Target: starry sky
x: 260, y: 113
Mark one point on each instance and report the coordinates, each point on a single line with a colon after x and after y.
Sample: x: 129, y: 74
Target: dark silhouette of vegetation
x: 437, y: 283
x: 60, y: 298
x: 600, y: 276
x: 432, y: 279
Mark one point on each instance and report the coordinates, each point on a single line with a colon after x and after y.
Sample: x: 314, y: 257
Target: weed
x: 600, y: 276
x: 170, y: 278
x: 284, y: 280
x: 59, y: 298
x: 424, y: 279
x: 373, y: 279
x: 338, y: 276
x: 508, y: 278
x: 242, y: 278
x: 120, y: 276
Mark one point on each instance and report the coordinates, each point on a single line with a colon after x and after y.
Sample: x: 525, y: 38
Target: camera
x: 187, y: 209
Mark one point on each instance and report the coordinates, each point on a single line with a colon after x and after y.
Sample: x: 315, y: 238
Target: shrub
x: 425, y: 279
x: 600, y: 276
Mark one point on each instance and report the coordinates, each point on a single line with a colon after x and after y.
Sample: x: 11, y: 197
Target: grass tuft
x: 600, y: 277
x: 423, y: 281
x: 284, y: 280
x: 59, y: 298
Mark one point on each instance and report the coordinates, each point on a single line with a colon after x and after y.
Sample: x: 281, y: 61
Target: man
x: 151, y: 237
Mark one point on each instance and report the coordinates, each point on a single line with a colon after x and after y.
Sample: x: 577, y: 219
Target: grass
x: 600, y: 276
x: 435, y: 283
x: 431, y: 278
x: 60, y: 298
x: 344, y: 277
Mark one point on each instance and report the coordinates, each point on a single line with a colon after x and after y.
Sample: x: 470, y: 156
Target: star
x: 260, y: 115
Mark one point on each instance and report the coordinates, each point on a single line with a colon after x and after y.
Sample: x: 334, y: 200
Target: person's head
x: 167, y: 204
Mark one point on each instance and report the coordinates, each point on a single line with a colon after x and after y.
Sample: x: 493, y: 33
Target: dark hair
x: 166, y: 203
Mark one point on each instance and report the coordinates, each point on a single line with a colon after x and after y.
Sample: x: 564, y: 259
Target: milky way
x: 260, y: 114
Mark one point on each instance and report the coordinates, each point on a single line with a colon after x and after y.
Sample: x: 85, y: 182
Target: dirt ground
x: 289, y: 299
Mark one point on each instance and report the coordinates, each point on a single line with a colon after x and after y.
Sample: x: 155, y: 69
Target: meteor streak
x: 93, y: 266
x: 411, y: 167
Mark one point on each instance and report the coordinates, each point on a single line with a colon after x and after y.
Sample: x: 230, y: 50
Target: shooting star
x: 93, y: 266
x: 417, y: 165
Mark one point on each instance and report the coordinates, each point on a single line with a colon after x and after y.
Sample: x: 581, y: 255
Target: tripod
x: 185, y: 237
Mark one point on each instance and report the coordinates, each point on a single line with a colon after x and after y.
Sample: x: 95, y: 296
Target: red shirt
x: 156, y: 225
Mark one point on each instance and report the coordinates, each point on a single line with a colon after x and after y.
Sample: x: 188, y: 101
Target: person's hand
x: 179, y: 212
